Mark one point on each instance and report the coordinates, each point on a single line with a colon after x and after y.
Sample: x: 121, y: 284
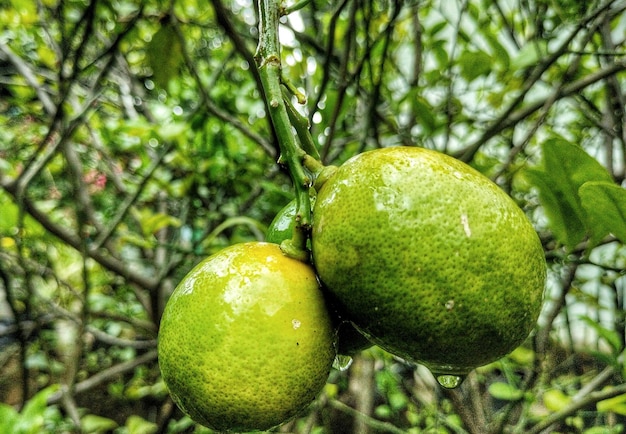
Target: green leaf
x: 423, y: 111
x: 32, y: 415
x: 500, y: 52
x: 138, y: 425
x: 474, y: 64
x: 8, y: 418
x: 92, y: 423
x: 617, y: 404
x: 505, y: 391
x: 617, y: 429
x: 605, y: 206
x: 529, y: 55
x: 564, y: 169
x: 164, y: 54
x: 610, y: 336
x: 151, y: 222
x: 555, y: 400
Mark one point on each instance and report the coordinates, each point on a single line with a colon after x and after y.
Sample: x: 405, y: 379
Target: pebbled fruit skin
x: 246, y: 340
x: 430, y: 259
x: 349, y: 340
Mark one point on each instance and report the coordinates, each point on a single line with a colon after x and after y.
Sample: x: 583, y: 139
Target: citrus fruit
x: 246, y: 340
x: 281, y: 227
x: 349, y: 340
x: 429, y: 258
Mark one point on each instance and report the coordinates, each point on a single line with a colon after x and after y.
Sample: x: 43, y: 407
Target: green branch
x: 268, y: 62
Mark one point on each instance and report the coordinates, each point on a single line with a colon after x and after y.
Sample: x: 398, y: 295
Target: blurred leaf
x: 137, y: 240
x: 617, y: 404
x: 383, y: 411
x: 616, y: 429
x: 564, y: 169
x: 173, y: 131
x: 151, y: 222
x: 423, y: 111
x: 505, y: 391
x: 529, y: 55
x: 398, y: 401
x: 31, y: 418
x: 8, y: 418
x: 92, y: 423
x: 555, y: 400
x: 605, y: 206
x: 500, y: 53
x: 612, y: 337
x: 605, y: 359
x: 138, y: 425
x: 523, y: 356
x: 474, y: 64
x: 254, y: 225
x: 164, y: 54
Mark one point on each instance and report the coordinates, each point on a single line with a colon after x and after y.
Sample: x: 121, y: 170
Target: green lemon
x: 429, y: 258
x: 281, y: 227
x: 246, y: 340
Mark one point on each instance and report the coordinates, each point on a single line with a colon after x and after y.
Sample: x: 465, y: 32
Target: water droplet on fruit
x: 342, y: 362
x: 449, y: 381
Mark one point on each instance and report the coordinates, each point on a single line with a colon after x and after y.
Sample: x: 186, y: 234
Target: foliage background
x: 135, y: 141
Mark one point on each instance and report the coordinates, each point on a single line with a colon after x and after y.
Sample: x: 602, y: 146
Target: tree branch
x: 575, y: 405
x: 106, y: 375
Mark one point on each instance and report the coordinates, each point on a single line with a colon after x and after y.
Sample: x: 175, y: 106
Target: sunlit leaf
x: 164, y: 55
x: 151, y: 222
x: 138, y: 425
x: 529, y: 55
x: 605, y: 206
x: 8, y: 418
x: 474, y: 64
x: 92, y: 423
x: 555, y: 399
x: 617, y: 404
x: 564, y: 169
x: 611, y: 337
x: 32, y: 415
x: 500, y: 53
x: 505, y: 391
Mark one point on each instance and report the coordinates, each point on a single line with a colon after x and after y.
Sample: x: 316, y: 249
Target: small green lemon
x: 281, y: 227
x: 429, y: 258
x: 246, y: 340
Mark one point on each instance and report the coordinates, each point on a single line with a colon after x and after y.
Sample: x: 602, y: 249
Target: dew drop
x: 342, y: 362
x: 449, y: 381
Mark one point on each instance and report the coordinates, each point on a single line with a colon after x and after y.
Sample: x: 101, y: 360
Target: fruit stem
x: 268, y: 62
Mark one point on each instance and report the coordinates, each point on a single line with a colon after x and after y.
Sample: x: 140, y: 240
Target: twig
x: 575, y: 405
x: 108, y: 374
x: 24, y: 69
x: 510, y: 117
x: 208, y: 104
x: 267, y: 58
x: 70, y: 238
x: 368, y: 420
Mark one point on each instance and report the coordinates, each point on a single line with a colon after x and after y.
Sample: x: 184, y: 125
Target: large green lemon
x: 429, y: 258
x: 246, y: 340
